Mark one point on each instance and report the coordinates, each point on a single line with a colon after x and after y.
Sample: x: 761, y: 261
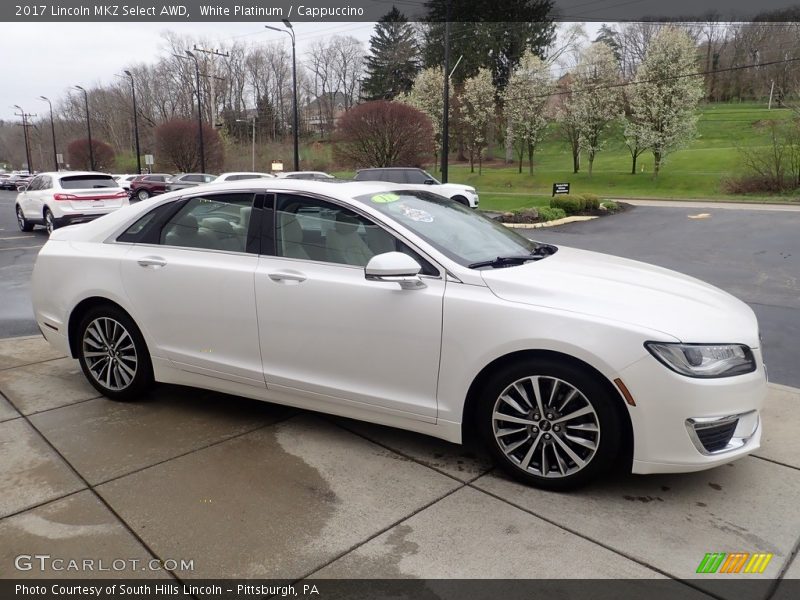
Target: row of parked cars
x: 142, y: 187
x: 61, y: 198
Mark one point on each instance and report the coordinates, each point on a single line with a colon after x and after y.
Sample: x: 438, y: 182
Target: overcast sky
x: 46, y: 59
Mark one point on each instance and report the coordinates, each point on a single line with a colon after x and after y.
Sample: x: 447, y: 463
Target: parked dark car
x: 15, y: 179
x: 185, y: 180
x: 145, y: 186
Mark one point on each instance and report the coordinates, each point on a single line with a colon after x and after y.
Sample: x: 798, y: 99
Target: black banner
x: 733, y: 588
x: 505, y: 11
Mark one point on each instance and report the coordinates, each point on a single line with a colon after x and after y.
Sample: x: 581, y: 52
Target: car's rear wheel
x: 113, y: 354
x: 49, y: 221
x: 549, y: 424
x: 142, y: 194
x: 22, y: 222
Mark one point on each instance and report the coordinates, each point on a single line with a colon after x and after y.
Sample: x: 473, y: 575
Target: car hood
x: 628, y: 291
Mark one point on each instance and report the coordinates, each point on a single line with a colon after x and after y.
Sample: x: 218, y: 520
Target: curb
x: 554, y: 223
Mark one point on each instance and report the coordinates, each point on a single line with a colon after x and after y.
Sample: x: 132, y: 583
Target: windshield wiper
x: 504, y: 261
x: 541, y: 251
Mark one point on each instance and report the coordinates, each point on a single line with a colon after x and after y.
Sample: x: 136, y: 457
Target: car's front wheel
x: 549, y: 423
x: 113, y: 354
x: 22, y: 222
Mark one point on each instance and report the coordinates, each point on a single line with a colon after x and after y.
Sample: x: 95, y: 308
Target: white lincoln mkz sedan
x: 405, y: 308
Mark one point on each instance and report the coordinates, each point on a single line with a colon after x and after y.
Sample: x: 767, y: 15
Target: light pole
x: 52, y: 131
x: 199, y: 111
x: 88, y: 126
x: 24, y: 116
x: 135, y: 124
x: 295, y: 127
x: 253, y: 168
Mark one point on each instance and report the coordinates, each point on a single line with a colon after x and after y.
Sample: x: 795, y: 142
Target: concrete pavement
x: 249, y: 489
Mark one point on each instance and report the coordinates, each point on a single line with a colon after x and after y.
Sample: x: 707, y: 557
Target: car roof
x: 334, y: 187
x: 243, y: 173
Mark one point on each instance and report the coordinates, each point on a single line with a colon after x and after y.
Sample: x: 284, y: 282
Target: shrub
x: 551, y: 214
x: 571, y: 205
x: 383, y: 134
x: 80, y: 157
x: 592, y: 201
x: 610, y: 206
x: 178, y: 146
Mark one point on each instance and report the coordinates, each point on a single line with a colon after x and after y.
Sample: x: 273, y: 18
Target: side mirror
x: 395, y: 267
x: 429, y: 182
x: 21, y: 187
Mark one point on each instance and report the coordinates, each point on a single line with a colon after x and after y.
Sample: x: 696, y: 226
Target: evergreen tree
x: 515, y: 27
x: 393, y: 61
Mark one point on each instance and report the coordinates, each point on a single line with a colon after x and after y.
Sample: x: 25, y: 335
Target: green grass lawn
x: 695, y: 172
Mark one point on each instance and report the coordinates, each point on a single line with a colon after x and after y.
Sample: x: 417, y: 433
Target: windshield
x: 458, y: 232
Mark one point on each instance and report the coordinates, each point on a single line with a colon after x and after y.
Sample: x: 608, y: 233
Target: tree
x: 595, y: 100
x: 79, y: 157
x: 516, y: 27
x: 393, y: 61
x: 383, y: 134
x: 427, y: 95
x: 178, y: 146
x: 526, y: 97
x: 477, y: 111
x: 665, y: 95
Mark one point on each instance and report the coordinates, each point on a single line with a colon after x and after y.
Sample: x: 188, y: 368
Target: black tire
x: 554, y: 460
x: 102, y: 318
x: 22, y: 222
x: 461, y: 200
x: 142, y: 194
x: 49, y: 221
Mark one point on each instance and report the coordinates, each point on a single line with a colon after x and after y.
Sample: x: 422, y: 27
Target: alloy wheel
x: 110, y: 353
x: 545, y: 426
x: 49, y: 225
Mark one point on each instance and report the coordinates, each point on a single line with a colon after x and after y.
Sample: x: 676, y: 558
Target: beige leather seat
x: 344, y: 244
x: 291, y: 237
x: 185, y: 232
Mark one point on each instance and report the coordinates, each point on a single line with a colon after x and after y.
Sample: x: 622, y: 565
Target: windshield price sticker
x: 385, y: 198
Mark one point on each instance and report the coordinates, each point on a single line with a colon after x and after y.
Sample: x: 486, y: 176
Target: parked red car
x: 145, y: 186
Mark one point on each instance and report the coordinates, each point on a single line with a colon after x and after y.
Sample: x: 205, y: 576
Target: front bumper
x: 682, y: 424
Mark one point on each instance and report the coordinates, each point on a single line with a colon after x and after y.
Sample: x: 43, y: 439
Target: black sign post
x: 560, y: 188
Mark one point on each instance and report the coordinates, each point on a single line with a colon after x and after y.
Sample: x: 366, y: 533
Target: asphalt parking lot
x: 250, y: 489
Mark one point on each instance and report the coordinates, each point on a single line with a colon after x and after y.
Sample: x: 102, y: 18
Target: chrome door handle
x: 283, y: 276
x: 152, y: 261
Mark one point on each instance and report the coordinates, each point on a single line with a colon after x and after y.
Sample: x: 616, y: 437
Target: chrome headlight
x: 704, y: 360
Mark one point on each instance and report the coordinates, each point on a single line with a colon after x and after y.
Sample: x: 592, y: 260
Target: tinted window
x: 46, y: 183
x: 140, y: 230
x: 33, y: 185
x: 197, y: 178
x: 416, y: 176
x: 311, y: 229
x: 240, y: 177
x: 214, y: 222
x: 87, y: 182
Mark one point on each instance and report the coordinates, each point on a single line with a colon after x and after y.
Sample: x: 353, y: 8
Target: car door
x: 29, y: 199
x: 329, y: 333
x: 189, y: 278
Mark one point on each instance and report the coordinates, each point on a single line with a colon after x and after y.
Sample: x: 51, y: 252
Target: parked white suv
x: 66, y: 198
x: 413, y: 178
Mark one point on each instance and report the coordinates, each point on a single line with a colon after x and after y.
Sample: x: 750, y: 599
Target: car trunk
x: 88, y: 192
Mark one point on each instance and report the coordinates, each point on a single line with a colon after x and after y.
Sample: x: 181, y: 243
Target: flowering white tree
x: 595, y: 101
x: 665, y: 95
x: 427, y: 95
x: 477, y: 113
x: 526, y: 101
